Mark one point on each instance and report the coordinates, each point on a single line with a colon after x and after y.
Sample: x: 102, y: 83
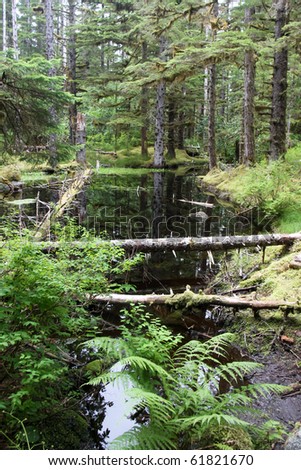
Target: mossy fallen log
x: 191, y: 299
x: 64, y: 202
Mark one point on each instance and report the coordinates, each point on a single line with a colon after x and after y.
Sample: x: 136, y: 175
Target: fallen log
x: 148, y: 245
x: 206, y: 243
x: 65, y: 200
x: 104, y: 152
x: 189, y: 299
x: 197, y: 203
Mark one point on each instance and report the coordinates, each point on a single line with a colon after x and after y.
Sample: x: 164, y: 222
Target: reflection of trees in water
x: 157, y: 204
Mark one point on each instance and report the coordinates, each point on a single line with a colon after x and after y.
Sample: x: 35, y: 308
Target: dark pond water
x: 147, y: 205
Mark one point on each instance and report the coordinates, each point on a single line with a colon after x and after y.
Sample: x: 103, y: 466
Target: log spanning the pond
x: 190, y: 299
x: 206, y: 243
x: 148, y: 245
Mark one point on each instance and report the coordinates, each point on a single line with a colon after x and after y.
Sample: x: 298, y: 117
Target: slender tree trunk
x: 181, y: 121
x: 144, y: 109
x: 28, y: 40
x: 4, y: 27
x: 248, y: 101
x: 63, y: 27
x: 81, y: 139
x: 279, y: 95
x: 15, y: 29
x: 72, y: 73
x: 160, y: 108
x: 50, y: 55
x: 212, y: 104
x: 211, y: 117
x: 171, y: 127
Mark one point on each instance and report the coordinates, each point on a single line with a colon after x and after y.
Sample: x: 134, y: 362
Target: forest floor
x: 274, y: 341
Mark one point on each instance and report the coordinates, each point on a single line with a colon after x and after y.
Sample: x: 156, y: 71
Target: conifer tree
x: 249, y: 97
x: 279, y: 93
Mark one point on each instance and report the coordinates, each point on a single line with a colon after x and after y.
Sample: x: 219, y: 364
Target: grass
x: 133, y: 159
x: 274, y: 188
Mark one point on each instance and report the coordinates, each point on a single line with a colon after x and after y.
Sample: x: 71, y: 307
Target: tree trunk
x: 248, y: 101
x: 223, y: 243
x: 279, y: 93
x: 66, y: 199
x: 15, y: 29
x: 50, y: 55
x: 190, y: 299
x: 62, y: 32
x: 160, y: 108
x: 144, y: 109
x: 4, y: 27
x: 28, y: 39
x: 72, y: 73
x: 81, y: 139
x: 211, y: 117
x: 181, y: 121
x: 171, y: 127
x: 212, y: 103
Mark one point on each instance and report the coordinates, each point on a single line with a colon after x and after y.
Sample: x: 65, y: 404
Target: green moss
x: 274, y: 188
x: 277, y: 280
x: 228, y: 438
x: 68, y: 431
x: 10, y: 173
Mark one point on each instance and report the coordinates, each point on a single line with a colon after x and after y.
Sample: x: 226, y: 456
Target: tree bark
x: 72, y: 73
x: 50, y: 55
x: 171, y: 127
x: 160, y: 108
x: 279, y: 93
x: 15, y: 29
x: 212, y: 103
x: 144, y: 109
x: 249, y: 96
x: 43, y: 231
x: 147, y: 245
x: 189, y: 298
x: 81, y: 139
x: 4, y: 27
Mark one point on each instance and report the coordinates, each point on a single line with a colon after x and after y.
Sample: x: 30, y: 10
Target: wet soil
x: 282, y: 367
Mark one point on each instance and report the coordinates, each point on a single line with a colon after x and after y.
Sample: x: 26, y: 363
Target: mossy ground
x: 273, y: 188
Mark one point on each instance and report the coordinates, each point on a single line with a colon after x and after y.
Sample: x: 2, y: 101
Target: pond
x: 138, y: 205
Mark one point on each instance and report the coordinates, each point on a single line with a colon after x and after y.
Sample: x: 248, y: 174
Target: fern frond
x: 210, y: 419
x: 115, y: 348
x: 232, y: 371
x: 147, y: 437
x: 138, y: 362
x: 118, y: 378
x: 214, y: 350
x: 263, y: 389
x: 160, y: 409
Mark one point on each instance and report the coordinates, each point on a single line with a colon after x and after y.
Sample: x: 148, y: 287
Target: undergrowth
x: 192, y: 393
x: 274, y: 188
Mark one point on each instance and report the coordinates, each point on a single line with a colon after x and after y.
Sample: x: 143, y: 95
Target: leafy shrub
x: 43, y: 300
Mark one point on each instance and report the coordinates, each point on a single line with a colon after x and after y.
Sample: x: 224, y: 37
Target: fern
x: 178, y: 386
x: 160, y: 409
x: 148, y: 437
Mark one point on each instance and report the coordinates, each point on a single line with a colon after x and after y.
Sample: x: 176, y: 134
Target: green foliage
x: 274, y: 188
x: 26, y: 96
x: 43, y: 300
x: 189, y: 390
